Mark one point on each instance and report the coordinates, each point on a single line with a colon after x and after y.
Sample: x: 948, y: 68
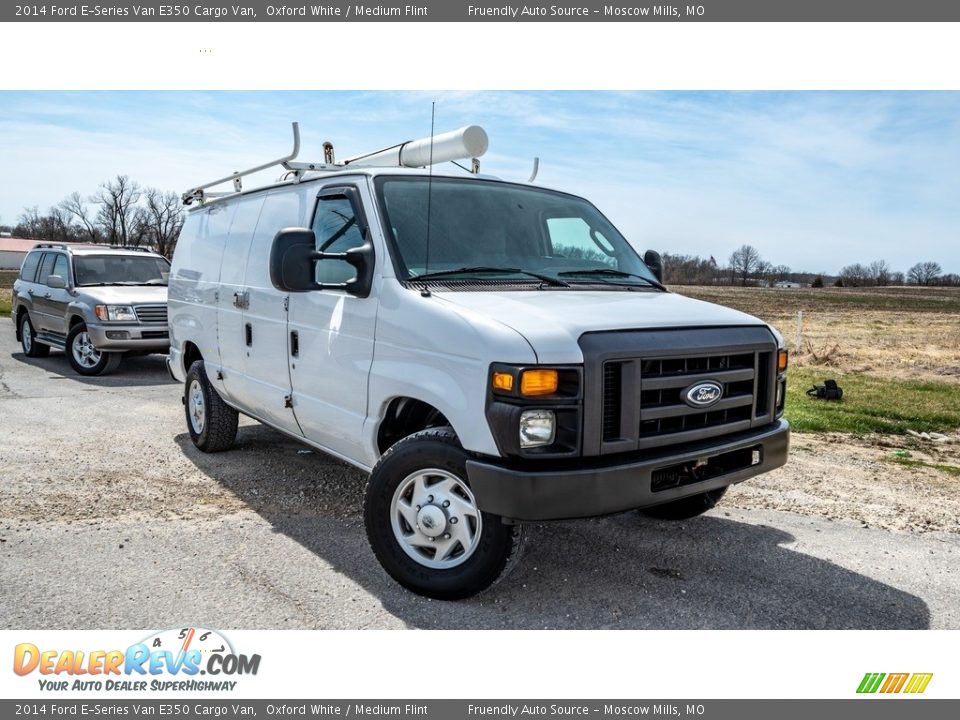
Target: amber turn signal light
x: 782, y: 361
x: 503, y: 381
x: 536, y: 383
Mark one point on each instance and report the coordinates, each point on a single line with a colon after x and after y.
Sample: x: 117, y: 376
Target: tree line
x: 120, y: 213
x: 746, y: 267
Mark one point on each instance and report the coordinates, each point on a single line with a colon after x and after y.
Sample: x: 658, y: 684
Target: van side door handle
x: 294, y: 343
x: 248, y: 334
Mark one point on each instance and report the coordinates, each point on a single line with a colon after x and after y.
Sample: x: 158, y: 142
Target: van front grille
x: 642, y: 388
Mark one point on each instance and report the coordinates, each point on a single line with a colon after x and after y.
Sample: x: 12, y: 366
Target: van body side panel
x: 432, y: 351
x: 230, y: 312
x: 194, y: 285
x: 266, y: 384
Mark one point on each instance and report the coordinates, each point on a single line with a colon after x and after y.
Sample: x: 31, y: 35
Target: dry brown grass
x: 908, y: 333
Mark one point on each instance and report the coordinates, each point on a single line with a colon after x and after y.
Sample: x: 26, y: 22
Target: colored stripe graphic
x: 894, y: 683
x: 918, y: 682
x: 870, y: 682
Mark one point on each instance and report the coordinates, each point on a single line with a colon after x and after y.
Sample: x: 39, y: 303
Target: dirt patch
x: 842, y: 477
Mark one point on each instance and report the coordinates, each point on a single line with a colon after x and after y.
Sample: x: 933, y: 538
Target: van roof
x: 347, y: 170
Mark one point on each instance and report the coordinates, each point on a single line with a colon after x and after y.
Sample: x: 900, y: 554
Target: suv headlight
x: 116, y: 313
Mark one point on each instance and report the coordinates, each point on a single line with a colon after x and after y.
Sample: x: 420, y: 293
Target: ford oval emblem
x: 703, y: 394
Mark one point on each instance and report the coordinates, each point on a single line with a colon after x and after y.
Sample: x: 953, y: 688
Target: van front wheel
x: 424, y: 525
x: 211, y: 422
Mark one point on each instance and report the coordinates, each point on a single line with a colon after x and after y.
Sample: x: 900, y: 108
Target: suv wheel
x: 85, y: 358
x: 211, y: 422
x: 687, y: 507
x: 28, y: 339
x: 424, y: 525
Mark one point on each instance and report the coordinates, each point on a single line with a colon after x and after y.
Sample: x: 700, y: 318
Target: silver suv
x: 93, y: 302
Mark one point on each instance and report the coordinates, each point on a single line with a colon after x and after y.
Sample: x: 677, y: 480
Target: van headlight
x: 537, y: 428
x: 115, y: 313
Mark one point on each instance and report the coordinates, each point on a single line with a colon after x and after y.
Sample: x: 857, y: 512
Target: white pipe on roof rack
x: 467, y: 142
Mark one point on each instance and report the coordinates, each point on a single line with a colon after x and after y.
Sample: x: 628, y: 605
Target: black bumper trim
x: 600, y: 490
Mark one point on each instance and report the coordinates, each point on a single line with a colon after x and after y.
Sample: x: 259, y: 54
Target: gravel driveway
x: 110, y: 518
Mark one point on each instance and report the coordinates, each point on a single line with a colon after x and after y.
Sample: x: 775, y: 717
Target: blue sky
x: 815, y: 180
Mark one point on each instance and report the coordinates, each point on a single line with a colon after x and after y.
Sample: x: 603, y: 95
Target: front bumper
x: 601, y: 488
x: 129, y: 336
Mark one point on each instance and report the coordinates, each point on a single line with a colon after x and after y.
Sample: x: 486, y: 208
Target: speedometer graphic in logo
x: 184, y: 639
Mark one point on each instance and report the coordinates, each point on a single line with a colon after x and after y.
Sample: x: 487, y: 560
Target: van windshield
x: 120, y: 270
x: 501, y: 232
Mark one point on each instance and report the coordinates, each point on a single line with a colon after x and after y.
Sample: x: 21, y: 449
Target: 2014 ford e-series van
x: 489, y: 352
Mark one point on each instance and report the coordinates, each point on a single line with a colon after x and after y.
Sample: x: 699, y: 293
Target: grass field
x: 894, y: 351
x: 6, y: 282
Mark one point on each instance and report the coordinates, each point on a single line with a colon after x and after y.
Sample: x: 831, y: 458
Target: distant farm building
x: 787, y: 284
x: 13, y: 251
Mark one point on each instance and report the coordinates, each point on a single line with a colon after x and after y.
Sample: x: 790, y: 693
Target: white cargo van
x: 490, y: 352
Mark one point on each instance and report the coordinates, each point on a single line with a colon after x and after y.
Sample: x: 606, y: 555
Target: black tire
x: 98, y: 363
x: 28, y: 339
x: 686, y: 508
x: 217, y: 429
x: 497, y: 546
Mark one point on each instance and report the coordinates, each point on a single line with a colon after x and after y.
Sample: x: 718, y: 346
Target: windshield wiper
x: 612, y: 272
x: 556, y: 282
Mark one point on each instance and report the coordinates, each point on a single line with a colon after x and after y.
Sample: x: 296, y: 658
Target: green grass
x: 871, y: 404
x: 949, y: 469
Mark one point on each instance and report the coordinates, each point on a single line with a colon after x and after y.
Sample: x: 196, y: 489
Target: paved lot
x: 110, y: 518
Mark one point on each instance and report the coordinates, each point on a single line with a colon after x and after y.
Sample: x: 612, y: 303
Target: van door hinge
x: 288, y: 401
x: 286, y: 303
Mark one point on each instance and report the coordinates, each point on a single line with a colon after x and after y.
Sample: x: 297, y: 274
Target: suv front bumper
x: 129, y: 336
x: 593, y: 486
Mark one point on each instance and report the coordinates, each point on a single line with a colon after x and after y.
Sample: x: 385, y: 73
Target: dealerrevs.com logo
x: 891, y: 683
x: 172, y: 659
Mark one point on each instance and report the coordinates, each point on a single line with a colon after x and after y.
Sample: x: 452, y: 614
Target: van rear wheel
x: 211, y: 422
x: 424, y: 525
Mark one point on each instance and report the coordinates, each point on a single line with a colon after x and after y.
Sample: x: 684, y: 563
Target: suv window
x: 120, y: 269
x: 337, y: 230
x: 29, y: 270
x: 46, y: 266
x: 60, y: 267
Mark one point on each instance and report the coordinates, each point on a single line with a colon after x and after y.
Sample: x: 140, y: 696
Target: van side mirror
x: 294, y: 257
x: 652, y: 259
x: 56, y: 282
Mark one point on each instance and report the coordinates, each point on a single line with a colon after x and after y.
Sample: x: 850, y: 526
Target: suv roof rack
x: 103, y: 246
x: 467, y: 142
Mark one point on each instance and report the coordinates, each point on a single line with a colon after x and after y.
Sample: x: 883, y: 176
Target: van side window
x: 46, y: 266
x: 337, y: 230
x: 29, y: 270
x: 60, y: 267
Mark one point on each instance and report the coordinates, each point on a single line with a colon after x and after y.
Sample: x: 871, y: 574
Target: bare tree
x: 78, y: 209
x: 855, y: 275
x: 924, y: 273
x: 879, y: 272
x: 118, y: 200
x: 744, y: 262
x: 52, y: 227
x: 160, y: 220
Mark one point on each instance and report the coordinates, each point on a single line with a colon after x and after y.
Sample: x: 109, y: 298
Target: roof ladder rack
x: 199, y: 193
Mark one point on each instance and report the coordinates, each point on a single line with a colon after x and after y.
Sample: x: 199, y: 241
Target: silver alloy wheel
x: 196, y: 407
x: 26, y: 334
x: 83, y: 350
x: 435, y: 519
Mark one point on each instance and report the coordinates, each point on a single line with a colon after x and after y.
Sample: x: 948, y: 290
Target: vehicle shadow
x: 134, y: 371
x: 623, y: 571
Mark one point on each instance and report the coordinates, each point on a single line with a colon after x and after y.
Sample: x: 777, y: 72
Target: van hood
x: 552, y: 321
x: 125, y: 294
